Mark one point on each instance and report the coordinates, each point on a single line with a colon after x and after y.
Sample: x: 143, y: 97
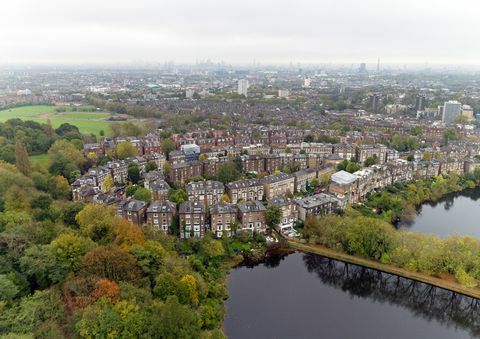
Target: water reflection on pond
x: 309, y: 296
x: 457, y: 213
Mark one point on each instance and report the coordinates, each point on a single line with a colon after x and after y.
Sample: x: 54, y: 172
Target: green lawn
x: 83, y: 123
x: 25, y: 112
x: 40, y: 159
x: 79, y: 115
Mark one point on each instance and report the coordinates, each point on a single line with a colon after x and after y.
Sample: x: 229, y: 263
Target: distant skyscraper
x: 375, y: 102
x: 363, y: 68
x: 451, y: 110
x: 243, y: 87
x: 420, y: 103
x: 307, y: 82
x: 378, y: 65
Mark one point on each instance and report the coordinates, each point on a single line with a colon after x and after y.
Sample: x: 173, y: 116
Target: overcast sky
x: 269, y: 31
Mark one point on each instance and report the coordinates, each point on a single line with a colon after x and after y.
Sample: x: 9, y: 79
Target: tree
x: 16, y: 199
x: 8, y: 289
x: 292, y: 167
x: 68, y: 249
x: 21, y: 158
x: 274, y: 216
x: 112, y: 263
x: 352, y: 167
x: 177, y: 196
x: 166, y: 167
x: 449, y: 134
x: 168, y: 145
x: 96, y: 222
x: 127, y: 234
x: 461, y: 119
x: 150, y: 166
x: 174, y: 320
x: 143, y: 194
x: 225, y: 198
x: 309, y: 138
x: 108, y: 183
x: 59, y: 187
x: 125, y: 149
x: 64, y: 158
x: 404, y: 143
x: 373, y: 160
x: 417, y: 130
x: 133, y: 173
x: 131, y: 189
x: 150, y: 256
x: 227, y: 172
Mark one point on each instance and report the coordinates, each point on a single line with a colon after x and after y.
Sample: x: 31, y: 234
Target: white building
x: 243, y: 87
x: 189, y: 92
x: 451, y: 110
x: 24, y: 92
x: 283, y: 93
x: 307, y: 82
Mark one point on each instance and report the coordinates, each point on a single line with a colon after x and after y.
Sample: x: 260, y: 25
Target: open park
x: 87, y: 122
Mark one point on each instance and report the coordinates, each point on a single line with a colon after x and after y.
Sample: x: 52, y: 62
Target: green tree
x: 168, y: 145
x: 150, y: 166
x: 8, y: 289
x: 108, y: 183
x: 174, y: 320
x: 125, y: 149
x: 449, y: 135
x: 177, y: 196
x: 352, y: 167
x: 96, y: 222
x: 373, y: 160
x: 133, y: 173
x: 143, y: 194
x: 64, y: 158
x: 274, y: 216
x: 227, y: 172
x: 21, y: 158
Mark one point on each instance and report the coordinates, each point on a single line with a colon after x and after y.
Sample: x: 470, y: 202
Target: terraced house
x: 132, y: 210
x: 245, y: 190
x: 251, y: 217
x: 278, y: 185
x: 289, y: 213
x: 191, y: 219
x: 222, y: 216
x: 161, y: 215
x: 208, y: 192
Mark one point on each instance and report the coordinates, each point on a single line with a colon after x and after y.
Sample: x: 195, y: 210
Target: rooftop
x: 343, y: 178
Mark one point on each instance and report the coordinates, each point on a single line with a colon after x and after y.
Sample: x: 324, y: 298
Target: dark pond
x: 456, y: 213
x: 309, y: 296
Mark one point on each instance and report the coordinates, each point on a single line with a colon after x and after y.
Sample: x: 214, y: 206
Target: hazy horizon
x: 268, y: 32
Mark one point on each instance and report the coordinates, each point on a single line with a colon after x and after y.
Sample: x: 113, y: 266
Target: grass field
x: 79, y: 115
x: 40, y: 159
x: 86, y: 122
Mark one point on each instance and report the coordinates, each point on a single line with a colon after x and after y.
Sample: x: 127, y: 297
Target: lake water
x: 456, y: 213
x: 309, y: 296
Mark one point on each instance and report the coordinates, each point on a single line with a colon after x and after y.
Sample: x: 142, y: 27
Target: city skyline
x: 270, y: 32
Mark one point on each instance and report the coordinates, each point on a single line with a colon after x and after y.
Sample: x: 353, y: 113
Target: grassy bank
x: 427, y: 279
